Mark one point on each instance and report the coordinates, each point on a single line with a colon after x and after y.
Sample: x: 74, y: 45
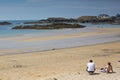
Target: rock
x: 5, y: 23
x: 51, y: 26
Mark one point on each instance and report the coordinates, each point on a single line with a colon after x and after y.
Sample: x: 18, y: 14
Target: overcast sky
x: 42, y: 9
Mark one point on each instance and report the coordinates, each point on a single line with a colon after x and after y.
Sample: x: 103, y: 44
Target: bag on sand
x: 103, y: 70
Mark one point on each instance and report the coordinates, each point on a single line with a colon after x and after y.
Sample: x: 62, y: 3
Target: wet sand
x: 58, y: 40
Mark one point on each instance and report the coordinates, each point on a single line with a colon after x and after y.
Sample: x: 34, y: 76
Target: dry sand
x: 63, y: 64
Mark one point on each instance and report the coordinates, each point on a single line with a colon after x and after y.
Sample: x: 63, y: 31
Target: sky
x: 43, y: 9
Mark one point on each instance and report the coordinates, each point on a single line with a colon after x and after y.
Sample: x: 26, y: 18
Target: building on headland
x: 103, y: 16
x: 117, y: 18
x: 117, y: 21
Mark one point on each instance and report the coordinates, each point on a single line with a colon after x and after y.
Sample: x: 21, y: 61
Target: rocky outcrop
x: 53, y: 20
x: 100, y: 19
x: 5, y: 23
x: 51, y: 26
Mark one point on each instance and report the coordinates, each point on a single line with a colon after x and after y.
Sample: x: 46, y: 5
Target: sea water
x: 6, y: 30
x: 9, y: 43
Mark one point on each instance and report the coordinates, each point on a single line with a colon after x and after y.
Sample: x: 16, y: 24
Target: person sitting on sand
x: 108, y: 68
x: 90, y: 67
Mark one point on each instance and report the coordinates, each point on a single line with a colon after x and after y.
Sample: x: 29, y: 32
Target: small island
x: 5, y: 23
x: 61, y: 22
x: 50, y: 26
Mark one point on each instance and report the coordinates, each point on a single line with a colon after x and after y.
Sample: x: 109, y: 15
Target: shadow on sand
x: 111, y: 72
x: 94, y: 73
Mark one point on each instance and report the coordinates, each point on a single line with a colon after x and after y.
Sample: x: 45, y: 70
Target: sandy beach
x: 65, y: 63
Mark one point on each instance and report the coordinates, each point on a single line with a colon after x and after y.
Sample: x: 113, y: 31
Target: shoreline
x: 63, y: 39
x: 55, y: 49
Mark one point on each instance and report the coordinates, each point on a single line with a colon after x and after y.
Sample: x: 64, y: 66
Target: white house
x: 103, y: 16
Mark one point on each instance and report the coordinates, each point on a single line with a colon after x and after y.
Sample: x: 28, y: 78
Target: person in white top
x: 90, y: 67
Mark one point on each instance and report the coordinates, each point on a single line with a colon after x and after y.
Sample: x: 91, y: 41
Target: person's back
x: 109, y: 68
x: 90, y: 67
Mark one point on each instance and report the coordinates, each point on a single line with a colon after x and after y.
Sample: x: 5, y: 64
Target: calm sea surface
x: 6, y: 31
x: 12, y: 39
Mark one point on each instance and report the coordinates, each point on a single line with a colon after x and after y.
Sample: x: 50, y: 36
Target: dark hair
x: 91, y: 60
x: 109, y: 63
